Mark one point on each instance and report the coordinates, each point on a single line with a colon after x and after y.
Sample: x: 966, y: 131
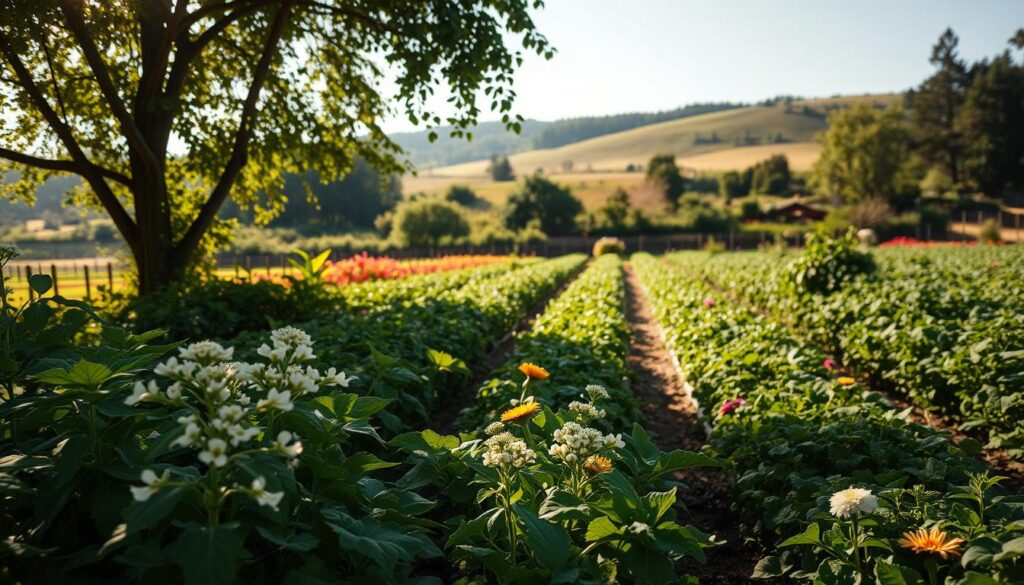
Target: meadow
x: 493, y: 419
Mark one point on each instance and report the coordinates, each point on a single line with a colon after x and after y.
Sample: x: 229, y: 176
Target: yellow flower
x: 934, y: 541
x: 520, y: 412
x: 597, y: 464
x: 533, y: 371
x: 846, y: 380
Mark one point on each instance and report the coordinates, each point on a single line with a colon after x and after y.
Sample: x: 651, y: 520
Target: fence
x: 73, y: 279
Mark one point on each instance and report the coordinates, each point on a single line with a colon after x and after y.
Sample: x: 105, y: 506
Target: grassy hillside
x: 787, y: 128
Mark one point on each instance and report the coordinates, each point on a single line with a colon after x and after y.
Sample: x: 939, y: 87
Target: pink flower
x: 709, y: 302
x: 363, y: 312
x: 829, y: 364
x: 730, y: 406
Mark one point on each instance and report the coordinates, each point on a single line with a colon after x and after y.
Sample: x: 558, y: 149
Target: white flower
x: 596, y: 391
x: 574, y: 442
x: 852, y: 502
x: 278, y: 400
x: 215, y: 454
x: 614, y: 441
x: 336, y: 378
x: 230, y: 412
x: 290, y: 336
x: 206, y: 352
x: 505, y: 449
x: 187, y: 420
x: 303, y: 353
x: 142, y: 392
x: 494, y: 428
x: 240, y: 434
x: 284, y: 442
x: 275, y: 355
x: 585, y: 410
x: 174, y: 391
x: 153, y: 484
x: 262, y: 496
x: 193, y: 434
x: 303, y: 382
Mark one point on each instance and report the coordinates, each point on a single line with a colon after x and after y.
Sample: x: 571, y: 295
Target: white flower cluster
x: 596, y: 392
x: 220, y: 394
x: 852, y: 502
x: 494, y: 428
x: 574, y: 442
x: 8, y: 251
x: 506, y: 450
x: 586, y: 411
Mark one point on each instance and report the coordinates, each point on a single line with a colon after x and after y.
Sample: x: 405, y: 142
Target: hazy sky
x: 642, y: 55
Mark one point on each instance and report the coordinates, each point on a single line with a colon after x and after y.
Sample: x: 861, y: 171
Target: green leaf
x: 383, y: 544
x: 83, y: 373
x: 602, y: 529
x: 549, y: 542
x: 811, y: 535
x: 40, y: 283
x: 142, y: 515
x: 889, y: 574
x: 208, y: 555
x: 679, y: 460
x: 299, y: 542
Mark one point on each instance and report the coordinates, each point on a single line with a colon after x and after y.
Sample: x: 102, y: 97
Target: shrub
x: 428, y: 222
x: 989, y: 233
x: 826, y: 264
x: 548, y: 202
x: 609, y: 246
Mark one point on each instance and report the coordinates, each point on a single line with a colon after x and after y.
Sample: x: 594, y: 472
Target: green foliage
x: 750, y: 209
x: 936, y: 104
x: 545, y: 201
x: 827, y: 264
x: 989, y: 232
x: 771, y: 176
x: 866, y: 153
x: 664, y: 174
x: 609, y: 246
x: 462, y: 195
x: 500, y: 169
x: 615, y: 211
x: 221, y: 81
x: 428, y: 222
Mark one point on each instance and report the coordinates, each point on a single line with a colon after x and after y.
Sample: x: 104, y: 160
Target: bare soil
x: 671, y: 418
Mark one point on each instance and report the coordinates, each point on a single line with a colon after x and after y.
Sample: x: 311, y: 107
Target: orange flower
x: 597, y: 464
x: 934, y: 541
x: 533, y: 371
x: 846, y: 380
x: 520, y: 412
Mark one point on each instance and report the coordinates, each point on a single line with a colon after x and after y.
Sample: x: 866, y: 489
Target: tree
x: 866, y: 153
x: 462, y: 195
x: 356, y: 200
x: 936, y: 104
x: 991, y: 122
x: 732, y: 184
x: 245, y: 91
x: 500, y: 169
x: 547, y: 202
x: 616, y: 209
x: 428, y: 222
x: 771, y: 176
x: 663, y: 172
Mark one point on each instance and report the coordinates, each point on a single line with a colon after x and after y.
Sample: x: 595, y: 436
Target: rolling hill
x: 737, y: 137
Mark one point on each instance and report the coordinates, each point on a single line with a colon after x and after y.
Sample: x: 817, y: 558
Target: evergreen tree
x: 545, y: 201
x: 992, y: 124
x: 935, y: 108
x: 500, y: 169
x: 663, y: 172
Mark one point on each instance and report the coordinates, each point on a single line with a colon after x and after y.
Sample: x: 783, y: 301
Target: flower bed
x: 363, y: 267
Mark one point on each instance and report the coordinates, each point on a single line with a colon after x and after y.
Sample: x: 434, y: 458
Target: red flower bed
x: 363, y: 267
x: 904, y: 242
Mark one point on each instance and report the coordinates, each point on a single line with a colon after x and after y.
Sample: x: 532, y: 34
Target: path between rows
x: 443, y: 420
x: 670, y: 417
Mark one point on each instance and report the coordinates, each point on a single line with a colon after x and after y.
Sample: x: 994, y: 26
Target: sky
x: 645, y: 55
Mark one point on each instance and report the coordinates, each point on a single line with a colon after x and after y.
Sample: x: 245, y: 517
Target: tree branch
x: 76, y: 22
x: 69, y: 166
x: 239, y: 152
x: 88, y: 170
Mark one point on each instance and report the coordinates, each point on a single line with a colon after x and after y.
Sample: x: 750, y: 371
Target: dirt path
x: 670, y: 417
x: 444, y: 419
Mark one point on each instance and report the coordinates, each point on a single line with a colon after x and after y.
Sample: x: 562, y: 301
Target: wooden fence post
x: 53, y: 274
x: 88, y: 286
x: 28, y: 281
x: 110, y: 277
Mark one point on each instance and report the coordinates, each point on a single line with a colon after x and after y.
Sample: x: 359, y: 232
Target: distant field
x: 801, y: 155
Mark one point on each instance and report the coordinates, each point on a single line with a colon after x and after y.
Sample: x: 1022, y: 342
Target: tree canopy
x: 542, y: 200
x: 166, y: 108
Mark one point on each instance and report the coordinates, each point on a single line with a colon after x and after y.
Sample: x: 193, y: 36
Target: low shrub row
x: 944, y: 327
x: 796, y: 439
x: 554, y: 488
x: 583, y: 337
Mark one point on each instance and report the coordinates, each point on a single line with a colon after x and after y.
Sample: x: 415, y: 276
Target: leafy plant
x: 826, y: 264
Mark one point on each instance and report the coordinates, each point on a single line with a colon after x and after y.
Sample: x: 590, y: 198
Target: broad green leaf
x: 549, y: 542
x: 40, y: 283
x: 208, y: 555
x: 811, y: 535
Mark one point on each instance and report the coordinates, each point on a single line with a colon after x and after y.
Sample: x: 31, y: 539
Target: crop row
x: 795, y: 438
x: 946, y: 332
x: 412, y: 351
x: 582, y: 337
x: 558, y: 489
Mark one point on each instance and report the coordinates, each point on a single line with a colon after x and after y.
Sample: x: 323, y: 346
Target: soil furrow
x: 670, y: 417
